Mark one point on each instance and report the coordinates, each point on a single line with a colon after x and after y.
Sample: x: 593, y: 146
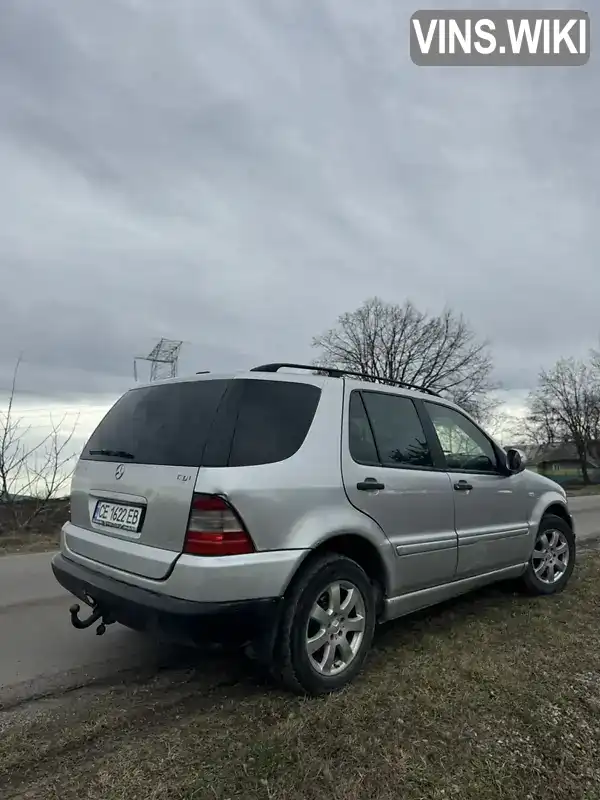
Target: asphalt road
x: 40, y: 651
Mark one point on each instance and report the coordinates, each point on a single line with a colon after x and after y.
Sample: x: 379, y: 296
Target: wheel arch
x: 549, y: 502
x: 558, y: 510
x: 361, y: 550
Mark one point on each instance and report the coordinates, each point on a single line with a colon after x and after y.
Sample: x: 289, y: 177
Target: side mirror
x: 515, y: 460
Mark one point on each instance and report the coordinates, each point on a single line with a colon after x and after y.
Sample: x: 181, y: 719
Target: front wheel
x: 553, y: 557
x: 326, y: 628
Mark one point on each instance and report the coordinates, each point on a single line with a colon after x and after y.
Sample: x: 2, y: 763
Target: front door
x: 491, y: 507
x: 412, y: 500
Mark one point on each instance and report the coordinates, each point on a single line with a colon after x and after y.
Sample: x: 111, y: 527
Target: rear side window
x: 273, y: 421
x: 398, y: 432
x: 362, y: 443
x: 164, y: 424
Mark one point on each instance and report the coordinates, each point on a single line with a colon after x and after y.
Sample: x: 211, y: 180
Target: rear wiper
x: 112, y: 453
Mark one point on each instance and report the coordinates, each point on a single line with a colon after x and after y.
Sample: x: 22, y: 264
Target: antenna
x: 163, y: 360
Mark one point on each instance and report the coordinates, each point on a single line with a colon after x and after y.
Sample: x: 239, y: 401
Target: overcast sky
x: 237, y: 174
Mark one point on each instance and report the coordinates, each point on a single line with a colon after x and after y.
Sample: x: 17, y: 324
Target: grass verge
x: 29, y: 542
x: 582, y: 491
x: 492, y: 697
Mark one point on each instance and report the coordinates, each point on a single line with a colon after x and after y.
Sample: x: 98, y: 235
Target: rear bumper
x: 171, y: 617
x: 266, y: 573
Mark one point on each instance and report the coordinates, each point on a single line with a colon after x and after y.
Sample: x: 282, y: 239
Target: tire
x: 292, y: 666
x: 538, y: 583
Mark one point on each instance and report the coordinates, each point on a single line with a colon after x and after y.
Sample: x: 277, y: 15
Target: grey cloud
x: 238, y: 174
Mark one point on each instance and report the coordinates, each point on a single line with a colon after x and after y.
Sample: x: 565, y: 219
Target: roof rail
x: 334, y: 372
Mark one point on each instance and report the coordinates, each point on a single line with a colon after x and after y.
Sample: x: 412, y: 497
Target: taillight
x: 214, y: 529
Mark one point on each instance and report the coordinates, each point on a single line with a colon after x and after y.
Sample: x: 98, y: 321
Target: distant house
x: 561, y: 462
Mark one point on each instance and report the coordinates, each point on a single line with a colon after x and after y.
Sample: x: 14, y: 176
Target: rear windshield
x: 163, y: 424
x: 216, y: 423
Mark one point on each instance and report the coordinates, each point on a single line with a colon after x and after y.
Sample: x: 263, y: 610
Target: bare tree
x: 505, y: 427
x: 401, y: 343
x: 565, y: 407
x: 528, y: 431
x: 38, y: 470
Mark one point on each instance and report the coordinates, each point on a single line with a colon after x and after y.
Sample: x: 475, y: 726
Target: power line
x: 42, y: 414
x: 35, y: 428
x: 50, y: 409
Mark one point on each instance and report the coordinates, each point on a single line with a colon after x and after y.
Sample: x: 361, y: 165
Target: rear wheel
x: 326, y: 628
x: 553, y: 557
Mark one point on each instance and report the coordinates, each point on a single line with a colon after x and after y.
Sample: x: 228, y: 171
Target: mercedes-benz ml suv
x: 291, y: 511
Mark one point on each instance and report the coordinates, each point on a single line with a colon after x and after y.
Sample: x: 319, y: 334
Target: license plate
x: 117, y: 515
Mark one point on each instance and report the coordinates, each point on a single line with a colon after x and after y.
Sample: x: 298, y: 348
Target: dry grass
x: 29, y: 542
x: 41, y: 536
x: 492, y: 697
x: 582, y: 491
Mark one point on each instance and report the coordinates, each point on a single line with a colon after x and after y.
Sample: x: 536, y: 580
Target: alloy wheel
x: 336, y: 628
x: 550, y: 557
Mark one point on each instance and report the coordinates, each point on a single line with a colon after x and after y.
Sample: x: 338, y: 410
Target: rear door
x: 392, y: 474
x: 491, y: 507
x: 132, y: 488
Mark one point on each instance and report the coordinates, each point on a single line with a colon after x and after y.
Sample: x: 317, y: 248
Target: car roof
x: 228, y: 376
x: 375, y: 386
x: 314, y: 377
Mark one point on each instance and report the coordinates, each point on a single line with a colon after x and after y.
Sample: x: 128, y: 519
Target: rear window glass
x: 165, y: 424
x: 213, y: 423
x: 273, y: 420
x: 398, y: 432
x: 362, y: 443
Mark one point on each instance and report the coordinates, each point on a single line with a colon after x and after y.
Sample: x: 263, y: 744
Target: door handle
x: 463, y: 486
x: 370, y: 485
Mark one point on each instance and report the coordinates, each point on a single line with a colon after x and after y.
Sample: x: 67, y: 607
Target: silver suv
x: 292, y: 512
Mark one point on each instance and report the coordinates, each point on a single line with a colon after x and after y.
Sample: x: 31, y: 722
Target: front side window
x: 465, y: 446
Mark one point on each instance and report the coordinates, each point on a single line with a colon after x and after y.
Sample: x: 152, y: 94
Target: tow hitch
x: 97, y: 614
